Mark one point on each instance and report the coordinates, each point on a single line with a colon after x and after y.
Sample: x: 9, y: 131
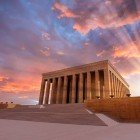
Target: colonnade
x: 118, y: 88
x: 74, y: 88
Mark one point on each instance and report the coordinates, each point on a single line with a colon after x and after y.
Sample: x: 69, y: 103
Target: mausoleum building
x: 85, y: 82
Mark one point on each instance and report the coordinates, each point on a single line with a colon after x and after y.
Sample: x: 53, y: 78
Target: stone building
x: 79, y: 83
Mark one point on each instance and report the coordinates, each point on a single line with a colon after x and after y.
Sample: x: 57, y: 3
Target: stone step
x: 53, y: 108
x: 56, y: 113
x: 64, y: 118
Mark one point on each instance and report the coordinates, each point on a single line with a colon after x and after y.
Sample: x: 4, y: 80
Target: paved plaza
x: 25, y: 130
x: 62, y: 122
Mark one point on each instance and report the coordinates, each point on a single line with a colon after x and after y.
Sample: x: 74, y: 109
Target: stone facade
x: 76, y: 84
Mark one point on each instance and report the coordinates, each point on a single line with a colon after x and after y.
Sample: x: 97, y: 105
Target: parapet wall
x: 7, y: 105
x: 121, y: 109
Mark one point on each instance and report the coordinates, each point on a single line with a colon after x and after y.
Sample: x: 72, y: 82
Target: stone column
x: 80, y: 98
x: 103, y: 90
x: 42, y: 91
x: 65, y: 90
x: 88, y: 86
x: 107, y: 86
x: 121, y: 90
x: 113, y: 84
x: 53, y: 94
x: 58, y: 90
x: 47, y: 91
x: 97, y: 83
x: 117, y: 88
x: 73, y: 88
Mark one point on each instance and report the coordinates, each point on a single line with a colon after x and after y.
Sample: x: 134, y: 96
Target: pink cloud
x: 46, y: 36
x: 64, y: 10
x: 100, y: 54
x: 102, y: 14
x: 129, y: 51
x: 21, y: 84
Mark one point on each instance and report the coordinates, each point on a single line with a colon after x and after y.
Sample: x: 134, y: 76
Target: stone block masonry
x: 85, y: 82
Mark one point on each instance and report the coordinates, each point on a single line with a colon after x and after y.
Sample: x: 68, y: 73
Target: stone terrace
x: 65, y: 114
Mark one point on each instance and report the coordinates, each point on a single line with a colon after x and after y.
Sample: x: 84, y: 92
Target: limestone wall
x: 122, y: 109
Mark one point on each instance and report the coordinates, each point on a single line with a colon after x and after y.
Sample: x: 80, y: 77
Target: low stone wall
x: 122, y: 109
x: 8, y: 105
x: 3, y: 106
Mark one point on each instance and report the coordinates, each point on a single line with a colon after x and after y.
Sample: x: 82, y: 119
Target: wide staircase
x: 54, y: 113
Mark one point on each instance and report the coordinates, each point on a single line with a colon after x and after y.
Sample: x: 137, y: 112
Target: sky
x: 38, y: 36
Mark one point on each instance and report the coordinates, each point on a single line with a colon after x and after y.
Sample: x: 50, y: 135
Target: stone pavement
x: 63, y: 122
x: 25, y: 130
x: 58, y: 113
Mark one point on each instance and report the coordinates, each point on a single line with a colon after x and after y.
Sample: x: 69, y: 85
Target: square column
x: 107, y: 83
x: 113, y: 84
x: 73, y: 88
x: 88, y: 86
x: 53, y: 92
x: 58, y: 90
x: 80, y: 98
x: 97, y: 83
x: 47, y: 92
x: 117, y: 88
x: 64, y: 100
x: 41, y: 97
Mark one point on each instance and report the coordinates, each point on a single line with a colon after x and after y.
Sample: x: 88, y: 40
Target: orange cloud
x: 93, y: 23
x: 20, y: 85
x: 45, y: 52
x: 105, y: 15
x: 64, y: 10
x: 128, y: 51
x: 84, y: 29
x: 2, y: 78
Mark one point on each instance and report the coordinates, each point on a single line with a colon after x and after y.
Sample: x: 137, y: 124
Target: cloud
x: 64, y: 10
x: 20, y: 85
x: 2, y: 78
x: 46, y: 36
x: 129, y: 51
x: 45, y: 52
x: 100, y: 14
x: 60, y: 53
x: 23, y: 97
x: 100, y: 54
